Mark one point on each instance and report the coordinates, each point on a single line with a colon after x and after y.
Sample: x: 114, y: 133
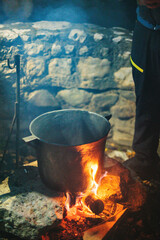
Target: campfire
x: 86, y: 203
x: 70, y: 148
x: 93, y: 213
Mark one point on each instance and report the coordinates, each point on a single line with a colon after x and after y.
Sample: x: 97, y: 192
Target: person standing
x: 145, y: 61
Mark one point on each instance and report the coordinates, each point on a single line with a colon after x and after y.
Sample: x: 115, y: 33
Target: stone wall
x: 66, y: 65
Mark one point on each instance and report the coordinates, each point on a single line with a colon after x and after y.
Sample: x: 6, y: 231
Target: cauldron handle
x: 108, y: 117
x: 30, y: 140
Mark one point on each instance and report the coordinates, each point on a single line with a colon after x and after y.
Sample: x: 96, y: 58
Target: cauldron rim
x: 69, y: 110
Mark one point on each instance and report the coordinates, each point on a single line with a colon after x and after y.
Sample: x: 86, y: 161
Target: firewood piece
x: 100, y: 231
x: 95, y: 205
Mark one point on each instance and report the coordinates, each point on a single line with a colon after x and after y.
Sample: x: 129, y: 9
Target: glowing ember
x: 45, y: 237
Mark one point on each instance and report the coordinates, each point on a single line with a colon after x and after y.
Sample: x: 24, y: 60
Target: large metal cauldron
x: 66, y: 142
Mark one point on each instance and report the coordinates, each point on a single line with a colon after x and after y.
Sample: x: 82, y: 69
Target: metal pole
x: 17, y: 104
x: 16, y: 117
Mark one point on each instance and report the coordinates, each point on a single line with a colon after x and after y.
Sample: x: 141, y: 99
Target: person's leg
x: 146, y: 139
x: 147, y: 88
x: 145, y: 144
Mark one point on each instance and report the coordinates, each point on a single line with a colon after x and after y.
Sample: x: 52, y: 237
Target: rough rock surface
x: 27, y: 207
x: 76, y: 65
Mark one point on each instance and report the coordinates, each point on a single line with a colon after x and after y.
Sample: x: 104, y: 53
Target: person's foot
x: 145, y: 168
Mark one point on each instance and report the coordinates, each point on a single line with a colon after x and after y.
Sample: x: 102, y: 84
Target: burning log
x: 94, y: 204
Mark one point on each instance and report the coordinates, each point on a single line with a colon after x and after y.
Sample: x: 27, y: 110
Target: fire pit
x: 97, y: 211
x: 35, y: 210
x: 70, y: 148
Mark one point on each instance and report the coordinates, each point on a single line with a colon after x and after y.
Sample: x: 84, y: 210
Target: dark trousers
x: 146, y: 74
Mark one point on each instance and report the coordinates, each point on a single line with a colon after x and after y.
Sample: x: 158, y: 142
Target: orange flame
x: 45, y: 237
x: 80, y: 206
x: 94, y: 186
x: 68, y: 200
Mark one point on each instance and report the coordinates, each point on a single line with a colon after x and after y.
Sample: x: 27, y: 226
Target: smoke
x: 107, y: 13
x: 65, y: 12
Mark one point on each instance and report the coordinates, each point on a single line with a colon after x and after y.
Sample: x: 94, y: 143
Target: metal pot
x: 67, y: 143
